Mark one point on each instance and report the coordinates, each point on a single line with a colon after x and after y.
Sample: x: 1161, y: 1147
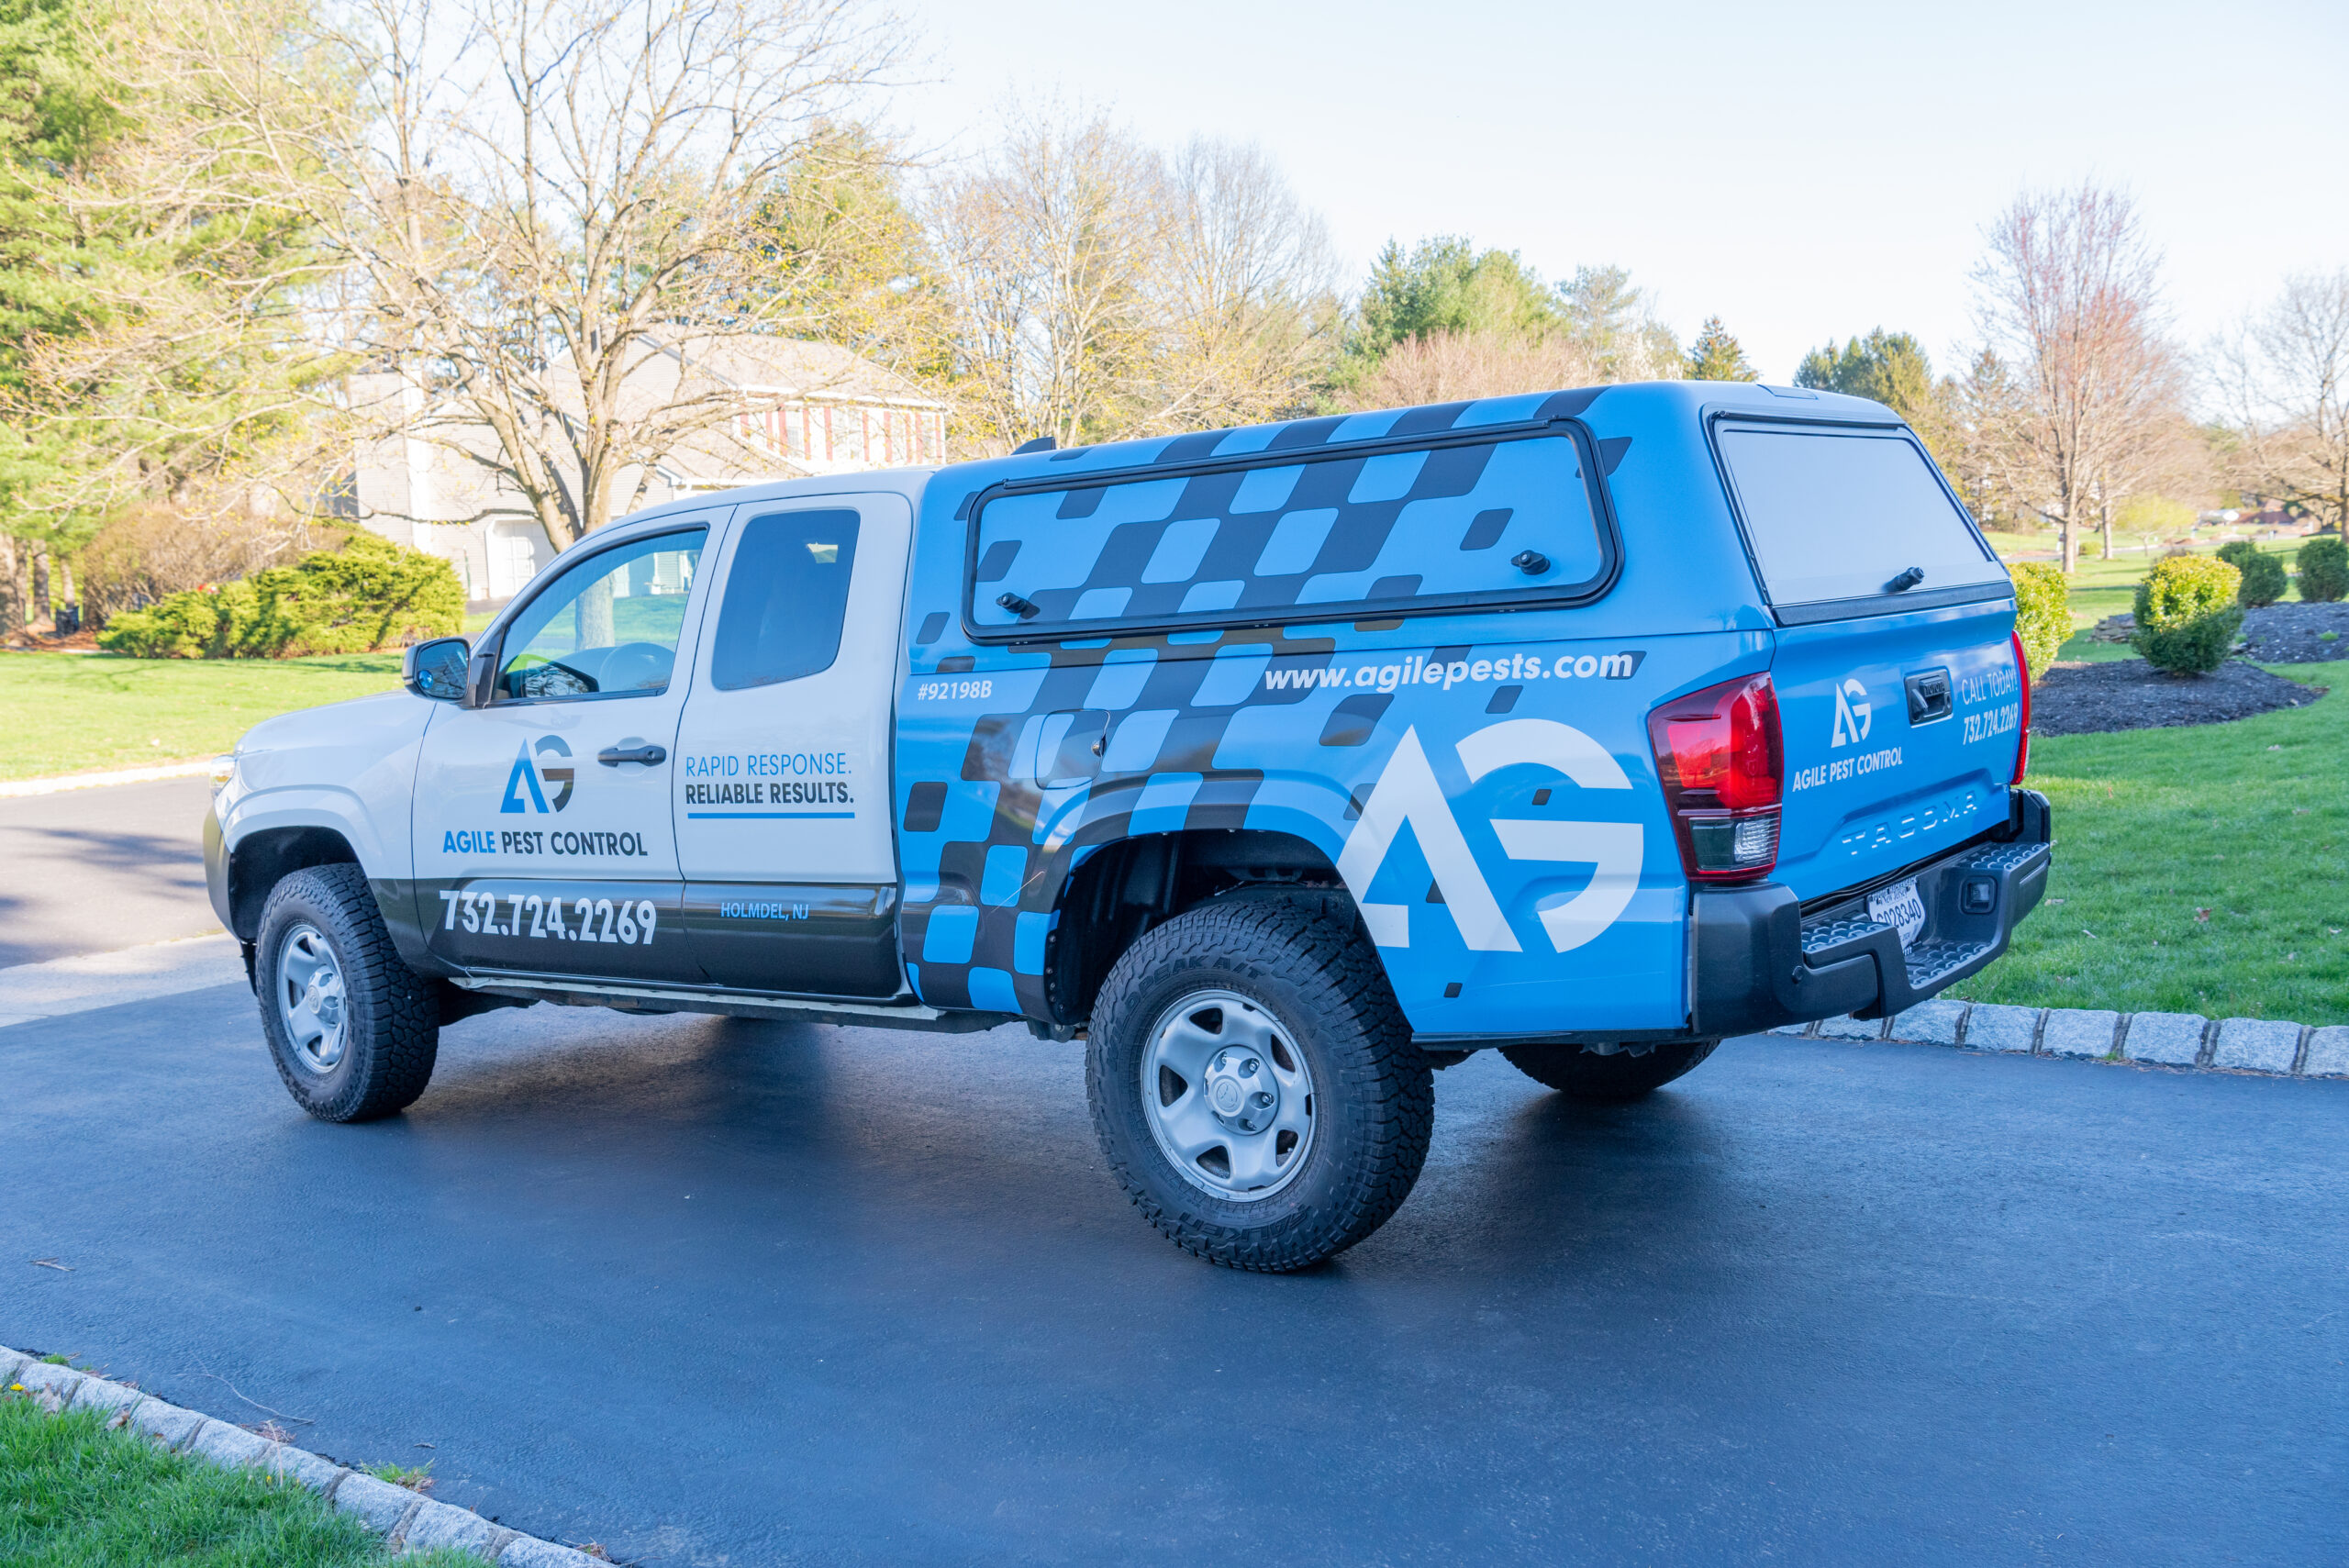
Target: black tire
x: 1370, y: 1095
x: 390, y: 1014
x: 1581, y: 1073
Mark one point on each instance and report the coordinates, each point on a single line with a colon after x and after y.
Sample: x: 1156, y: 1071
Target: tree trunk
x: 2106, y: 519
x: 594, y: 613
x: 2068, y: 541
x: 40, y: 583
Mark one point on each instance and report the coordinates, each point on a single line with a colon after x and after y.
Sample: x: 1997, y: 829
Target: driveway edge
x: 2180, y: 1041
x: 408, y: 1521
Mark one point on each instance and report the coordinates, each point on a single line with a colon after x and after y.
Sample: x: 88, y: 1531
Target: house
x: 748, y: 407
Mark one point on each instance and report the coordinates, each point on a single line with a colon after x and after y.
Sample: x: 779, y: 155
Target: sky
x: 1804, y: 170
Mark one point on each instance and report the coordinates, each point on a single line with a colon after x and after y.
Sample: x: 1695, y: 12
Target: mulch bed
x: 2294, y: 634
x: 2078, y: 698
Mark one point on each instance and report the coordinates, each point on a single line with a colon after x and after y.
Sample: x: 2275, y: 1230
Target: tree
x: 1445, y: 285
x: 1716, y: 356
x: 1610, y: 321
x: 1102, y: 290
x: 1893, y: 369
x: 2286, y: 376
x: 2068, y: 295
x: 529, y: 201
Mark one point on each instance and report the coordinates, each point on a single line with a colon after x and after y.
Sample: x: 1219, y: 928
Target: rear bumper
x: 1758, y: 961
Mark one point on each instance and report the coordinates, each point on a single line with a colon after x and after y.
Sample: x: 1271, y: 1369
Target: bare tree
x: 2285, y: 376
x: 1441, y: 367
x: 2067, y: 295
x: 1103, y: 291
x: 536, y: 200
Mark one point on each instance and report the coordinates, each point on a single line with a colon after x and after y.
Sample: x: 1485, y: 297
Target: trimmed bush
x: 2324, y: 569
x: 371, y: 594
x: 2186, y: 615
x: 2042, y: 612
x: 2262, y: 575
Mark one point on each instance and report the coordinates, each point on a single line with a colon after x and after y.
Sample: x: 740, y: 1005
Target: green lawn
x: 74, y: 1494
x: 78, y: 712
x: 2198, y: 870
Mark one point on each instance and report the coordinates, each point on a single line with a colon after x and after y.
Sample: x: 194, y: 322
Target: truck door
x: 781, y: 794
x: 1898, y: 684
x: 541, y: 821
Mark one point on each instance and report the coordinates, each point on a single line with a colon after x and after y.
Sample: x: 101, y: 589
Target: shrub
x: 2042, y: 612
x: 368, y: 595
x: 2262, y: 575
x: 153, y: 551
x: 2324, y: 569
x: 2186, y: 615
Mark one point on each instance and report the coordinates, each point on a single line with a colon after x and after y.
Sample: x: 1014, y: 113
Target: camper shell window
x: 1489, y: 521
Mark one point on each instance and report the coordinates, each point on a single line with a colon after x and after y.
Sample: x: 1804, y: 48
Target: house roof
x: 791, y: 366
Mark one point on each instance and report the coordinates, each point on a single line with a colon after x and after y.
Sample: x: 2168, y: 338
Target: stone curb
x: 2183, y: 1040
x: 408, y: 1521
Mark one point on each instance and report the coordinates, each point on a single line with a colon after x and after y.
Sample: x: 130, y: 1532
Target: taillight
x: 2022, y: 676
x: 1719, y: 754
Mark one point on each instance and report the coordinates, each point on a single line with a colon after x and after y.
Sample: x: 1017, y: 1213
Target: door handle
x: 613, y: 756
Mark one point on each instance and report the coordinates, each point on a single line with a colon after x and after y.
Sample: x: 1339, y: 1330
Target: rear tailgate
x: 1898, y: 697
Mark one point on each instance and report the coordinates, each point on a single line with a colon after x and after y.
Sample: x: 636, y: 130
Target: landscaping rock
x: 1990, y: 1027
x: 53, y: 1385
x: 379, y: 1505
x: 2173, y: 1040
x: 2076, y: 698
x: 231, y: 1447
x: 1792, y: 1028
x: 2256, y: 1045
x: 9, y: 1361
x: 2329, y: 1053
x: 97, y: 1394
x: 1929, y: 1023
x: 287, y: 1462
x: 439, y: 1525
x: 1848, y: 1028
x: 2085, y: 1032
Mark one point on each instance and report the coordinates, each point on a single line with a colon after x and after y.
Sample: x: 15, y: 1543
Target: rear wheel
x: 352, y: 1029
x: 1255, y: 1087
x: 1625, y: 1073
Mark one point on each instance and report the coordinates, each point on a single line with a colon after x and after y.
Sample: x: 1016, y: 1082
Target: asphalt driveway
x: 717, y: 1292
x: 97, y: 870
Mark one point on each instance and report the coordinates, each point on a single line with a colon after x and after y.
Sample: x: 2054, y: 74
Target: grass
x: 2198, y: 870
x: 80, y: 712
x: 74, y: 1494
x: 2101, y: 588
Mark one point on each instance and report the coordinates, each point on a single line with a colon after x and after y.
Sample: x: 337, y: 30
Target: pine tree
x: 1715, y: 355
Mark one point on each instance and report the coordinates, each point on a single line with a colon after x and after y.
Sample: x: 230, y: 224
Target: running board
x: 652, y: 999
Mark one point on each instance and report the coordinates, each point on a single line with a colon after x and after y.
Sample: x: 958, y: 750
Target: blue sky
x: 1804, y: 171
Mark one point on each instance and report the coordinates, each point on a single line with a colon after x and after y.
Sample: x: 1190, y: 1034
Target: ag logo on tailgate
x: 1853, y: 713
x: 1407, y: 791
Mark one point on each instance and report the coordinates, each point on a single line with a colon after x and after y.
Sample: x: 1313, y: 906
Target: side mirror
x: 437, y: 669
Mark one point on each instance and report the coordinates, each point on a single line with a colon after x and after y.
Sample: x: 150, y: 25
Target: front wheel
x: 353, y: 1031
x: 1254, y: 1086
x: 1625, y: 1073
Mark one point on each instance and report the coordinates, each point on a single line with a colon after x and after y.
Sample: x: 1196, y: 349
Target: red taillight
x: 2022, y: 678
x: 1718, y: 755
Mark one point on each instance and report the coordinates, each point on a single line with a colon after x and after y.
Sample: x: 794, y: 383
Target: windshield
x: 1845, y: 515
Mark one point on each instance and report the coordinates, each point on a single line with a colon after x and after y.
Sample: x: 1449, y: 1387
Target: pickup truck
x: 1280, y: 765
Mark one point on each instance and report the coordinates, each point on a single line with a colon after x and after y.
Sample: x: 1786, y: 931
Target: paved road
x: 715, y: 1292
x: 95, y: 870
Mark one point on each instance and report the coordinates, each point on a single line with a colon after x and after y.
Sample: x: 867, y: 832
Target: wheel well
x: 267, y: 858
x: 1125, y: 888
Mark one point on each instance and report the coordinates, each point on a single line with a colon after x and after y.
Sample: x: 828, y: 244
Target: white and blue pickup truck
x: 1282, y: 765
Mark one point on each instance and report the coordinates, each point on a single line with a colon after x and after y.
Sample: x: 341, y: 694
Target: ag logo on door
x: 1408, y: 791
x: 1853, y: 713
x: 537, y: 783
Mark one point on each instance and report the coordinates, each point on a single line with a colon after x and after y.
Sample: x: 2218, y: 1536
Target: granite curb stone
x: 2096, y: 1034
x: 2079, y: 1031
x: 2256, y: 1045
x: 410, y: 1522
x: 1993, y: 1026
x: 2328, y: 1054
x: 2170, y: 1039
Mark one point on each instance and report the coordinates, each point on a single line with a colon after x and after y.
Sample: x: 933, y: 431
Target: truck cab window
x: 608, y: 627
x: 786, y: 597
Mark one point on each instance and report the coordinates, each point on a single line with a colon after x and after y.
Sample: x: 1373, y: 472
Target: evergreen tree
x: 1444, y: 284
x: 1716, y: 356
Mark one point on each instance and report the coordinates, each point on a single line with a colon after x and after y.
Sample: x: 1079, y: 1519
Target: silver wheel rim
x: 310, y: 999
x: 1227, y: 1096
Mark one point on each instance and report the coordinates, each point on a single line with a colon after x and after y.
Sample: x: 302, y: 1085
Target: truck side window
x: 608, y: 627
x: 786, y: 596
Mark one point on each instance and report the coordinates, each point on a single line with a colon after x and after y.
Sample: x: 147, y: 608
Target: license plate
x: 1899, y: 906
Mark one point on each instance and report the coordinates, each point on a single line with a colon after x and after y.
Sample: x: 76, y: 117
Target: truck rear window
x: 1460, y: 524
x: 1843, y: 515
